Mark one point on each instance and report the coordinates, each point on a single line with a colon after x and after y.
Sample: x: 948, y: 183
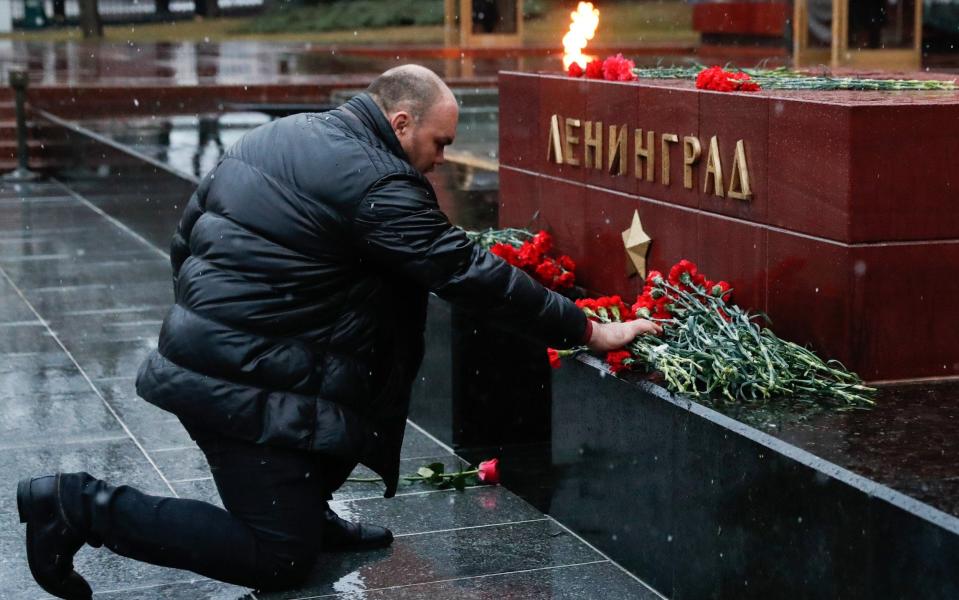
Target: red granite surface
x: 850, y: 242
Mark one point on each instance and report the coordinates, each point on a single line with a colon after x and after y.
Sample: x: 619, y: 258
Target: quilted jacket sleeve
x: 400, y: 227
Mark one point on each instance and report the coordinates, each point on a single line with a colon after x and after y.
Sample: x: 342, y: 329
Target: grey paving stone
x: 73, y: 273
x: 52, y: 303
x: 186, y: 463
x: 202, y: 489
x: 416, y: 444
x: 579, y: 582
x: 204, y: 589
x: 111, y: 358
x: 417, y: 513
x: 447, y: 555
x: 23, y: 337
x: 154, y: 427
x: 352, y: 490
x: 116, y: 461
x: 32, y: 420
x: 102, y: 569
x: 39, y: 375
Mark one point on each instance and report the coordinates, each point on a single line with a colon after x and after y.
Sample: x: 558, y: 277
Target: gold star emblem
x: 637, y: 244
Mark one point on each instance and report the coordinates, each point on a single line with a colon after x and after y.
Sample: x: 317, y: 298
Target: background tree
x: 90, y: 22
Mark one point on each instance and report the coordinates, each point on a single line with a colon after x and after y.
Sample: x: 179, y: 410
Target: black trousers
x: 268, y: 537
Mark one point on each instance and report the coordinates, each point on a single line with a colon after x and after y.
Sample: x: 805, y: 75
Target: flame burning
x: 585, y: 19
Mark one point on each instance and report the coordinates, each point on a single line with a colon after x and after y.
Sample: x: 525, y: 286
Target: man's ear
x: 400, y: 121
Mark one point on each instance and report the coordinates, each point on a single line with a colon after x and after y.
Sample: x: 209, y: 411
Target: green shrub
x: 307, y: 16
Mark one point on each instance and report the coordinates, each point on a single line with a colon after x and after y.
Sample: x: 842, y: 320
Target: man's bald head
x: 420, y: 109
x: 409, y: 88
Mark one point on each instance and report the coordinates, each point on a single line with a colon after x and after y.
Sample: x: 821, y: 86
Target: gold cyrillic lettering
x: 664, y: 141
x: 569, y: 157
x: 616, y: 156
x: 739, y: 179
x: 593, y: 144
x: 714, y: 169
x: 554, y: 147
x: 641, y: 153
x: 691, y: 151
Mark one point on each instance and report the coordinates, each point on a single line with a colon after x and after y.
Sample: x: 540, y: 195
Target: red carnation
x: 617, y: 360
x: 567, y: 279
x: 553, y: 357
x: 652, y: 277
x: 594, y: 70
x: 566, y: 262
x: 575, y: 70
x: 529, y: 255
x: 506, y: 252
x: 546, y: 271
x: 543, y: 241
x: 488, y: 471
x: 719, y: 80
x: 618, y: 68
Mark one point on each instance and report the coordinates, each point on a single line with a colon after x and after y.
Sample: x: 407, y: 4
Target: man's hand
x: 613, y: 336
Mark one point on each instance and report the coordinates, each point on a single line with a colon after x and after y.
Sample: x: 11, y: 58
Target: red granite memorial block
x: 670, y: 111
x: 902, y: 166
x: 565, y: 99
x: 736, y: 251
x: 741, y: 18
x: 611, y: 108
x: 562, y: 212
x: 735, y: 119
x: 808, y: 283
x: 848, y: 236
x: 519, y: 197
x: 519, y: 121
x: 808, y: 161
x: 908, y: 298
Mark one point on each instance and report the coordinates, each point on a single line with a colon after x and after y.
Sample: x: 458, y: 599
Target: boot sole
x: 24, y: 499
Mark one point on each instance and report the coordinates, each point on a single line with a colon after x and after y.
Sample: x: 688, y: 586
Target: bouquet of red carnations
x: 529, y: 252
x: 711, y: 348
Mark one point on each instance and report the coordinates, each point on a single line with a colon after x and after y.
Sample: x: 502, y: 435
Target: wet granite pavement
x: 82, y: 294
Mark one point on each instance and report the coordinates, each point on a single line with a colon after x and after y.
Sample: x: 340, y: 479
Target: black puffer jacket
x: 301, y: 268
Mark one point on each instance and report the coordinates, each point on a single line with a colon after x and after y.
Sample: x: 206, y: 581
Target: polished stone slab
x: 154, y: 427
x: 205, y: 589
x: 118, y: 461
x: 39, y: 374
x: 26, y: 337
x: 102, y: 569
x: 119, y: 295
x: 440, y: 510
x: 32, y: 420
x: 576, y: 582
x: 111, y: 358
x: 446, y: 555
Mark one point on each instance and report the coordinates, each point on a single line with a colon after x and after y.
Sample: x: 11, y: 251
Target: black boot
x: 52, y: 537
x: 340, y: 535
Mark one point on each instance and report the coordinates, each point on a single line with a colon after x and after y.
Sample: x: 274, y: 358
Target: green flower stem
x: 416, y: 477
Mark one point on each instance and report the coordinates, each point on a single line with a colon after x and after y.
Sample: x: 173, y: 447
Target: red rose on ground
x: 618, y: 68
x: 616, y: 359
x: 553, y: 357
x: 575, y: 70
x: 488, y: 471
x: 594, y: 70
